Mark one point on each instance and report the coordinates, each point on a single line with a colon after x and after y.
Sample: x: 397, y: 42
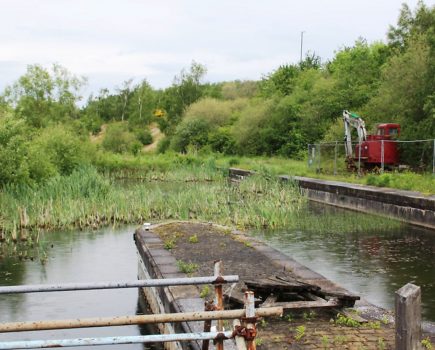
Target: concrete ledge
x: 407, y: 206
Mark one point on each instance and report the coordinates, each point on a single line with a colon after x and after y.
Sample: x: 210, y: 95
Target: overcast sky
x: 111, y: 41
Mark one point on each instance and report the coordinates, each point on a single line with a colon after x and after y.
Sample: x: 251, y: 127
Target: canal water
x: 104, y: 255
x: 373, y: 264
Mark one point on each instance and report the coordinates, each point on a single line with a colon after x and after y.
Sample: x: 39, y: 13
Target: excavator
x: 372, y: 151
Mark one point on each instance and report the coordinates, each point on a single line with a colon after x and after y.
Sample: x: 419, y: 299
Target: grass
x: 187, y: 267
x: 172, y: 187
x: 159, y: 167
x: 424, y: 183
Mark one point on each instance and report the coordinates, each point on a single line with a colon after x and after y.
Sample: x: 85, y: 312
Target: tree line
x: 44, y: 132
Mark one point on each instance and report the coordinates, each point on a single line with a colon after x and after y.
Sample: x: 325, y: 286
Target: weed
x: 289, y: 317
x: 169, y: 243
x: 325, y: 342
x: 258, y: 341
x: 300, y: 332
x: 427, y: 344
x: 346, y: 321
x: 373, y: 325
x: 247, y: 244
x: 205, y: 292
x: 381, y: 344
x: 385, y: 319
x: 193, y: 239
x: 308, y: 316
x: 340, y: 339
x: 187, y: 267
x: 263, y: 323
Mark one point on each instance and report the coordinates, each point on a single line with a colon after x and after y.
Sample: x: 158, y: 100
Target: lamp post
x: 302, y: 44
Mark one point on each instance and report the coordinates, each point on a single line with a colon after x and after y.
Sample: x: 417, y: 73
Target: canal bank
x: 407, y: 206
x: 165, y: 250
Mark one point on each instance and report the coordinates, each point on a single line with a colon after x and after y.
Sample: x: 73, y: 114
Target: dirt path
x: 157, y: 136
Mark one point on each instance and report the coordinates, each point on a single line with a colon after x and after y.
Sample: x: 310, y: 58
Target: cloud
x: 240, y: 39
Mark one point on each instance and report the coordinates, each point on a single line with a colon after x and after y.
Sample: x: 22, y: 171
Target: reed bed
x: 88, y: 200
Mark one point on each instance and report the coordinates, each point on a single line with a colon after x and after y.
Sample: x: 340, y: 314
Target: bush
x: 163, y: 145
x: 144, y: 136
x: 118, y: 139
x: 190, y: 133
x: 62, y: 148
x: 222, y: 141
x: 215, y: 112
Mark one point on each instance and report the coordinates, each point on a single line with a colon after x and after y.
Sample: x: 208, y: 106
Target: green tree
x: 42, y: 96
x: 185, y: 90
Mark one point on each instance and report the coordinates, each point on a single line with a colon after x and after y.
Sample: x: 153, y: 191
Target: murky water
x: 104, y: 255
x: 372, y: 264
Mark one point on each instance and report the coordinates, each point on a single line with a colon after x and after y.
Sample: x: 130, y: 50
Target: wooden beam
x: 408, y: 317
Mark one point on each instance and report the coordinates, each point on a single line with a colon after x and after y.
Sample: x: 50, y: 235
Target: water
x: 372, y: 264
x: 104, y: 255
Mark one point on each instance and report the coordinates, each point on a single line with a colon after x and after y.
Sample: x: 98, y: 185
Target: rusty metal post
x: 218, y: 271
x: 209, y: 306
x: 250, y: 320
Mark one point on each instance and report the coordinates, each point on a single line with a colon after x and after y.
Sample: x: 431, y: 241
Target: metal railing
x: 243, y: 331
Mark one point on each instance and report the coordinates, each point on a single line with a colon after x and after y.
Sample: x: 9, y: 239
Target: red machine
x: 372, y: 150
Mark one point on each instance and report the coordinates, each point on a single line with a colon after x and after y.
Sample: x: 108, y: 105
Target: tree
x: 41, y: 96
x: 185, y: 90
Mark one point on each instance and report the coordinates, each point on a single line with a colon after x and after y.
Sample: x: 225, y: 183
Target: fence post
x: 382, y: 157
x: 433, y: 158
x: 218, y: 272
x: 359, y: 159
x: 335, y: 158
x: 319, y: 160
x: 408, y: 317
x: 309, y: 159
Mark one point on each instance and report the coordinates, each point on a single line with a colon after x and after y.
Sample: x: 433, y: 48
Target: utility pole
x: 302, y: 44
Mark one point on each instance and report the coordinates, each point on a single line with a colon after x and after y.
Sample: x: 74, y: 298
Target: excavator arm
x: 352, y: 120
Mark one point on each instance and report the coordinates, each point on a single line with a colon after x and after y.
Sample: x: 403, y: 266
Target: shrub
x: 144, y: 136
x: 163, y: 145
x: 190, y: 132
x: 65, y: 150
x: 215, y: 112
x: 118, y: 139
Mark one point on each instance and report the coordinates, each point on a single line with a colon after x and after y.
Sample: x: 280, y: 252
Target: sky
x: 112, y: 41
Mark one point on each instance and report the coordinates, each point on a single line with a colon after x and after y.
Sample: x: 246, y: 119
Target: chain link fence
x: 330, y: 157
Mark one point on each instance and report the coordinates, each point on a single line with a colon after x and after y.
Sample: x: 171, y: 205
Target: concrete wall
x: 156, y: 262
x: 407, y: 206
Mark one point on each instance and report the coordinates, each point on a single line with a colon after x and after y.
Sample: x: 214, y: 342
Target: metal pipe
x: 218, y: 270
x: 240, y: 341
x: 43, y: 344
x: 131, y: 320
x: 250, y: 314
x: 113, y: 285
x: 208, y: 307
x: 433, y: 158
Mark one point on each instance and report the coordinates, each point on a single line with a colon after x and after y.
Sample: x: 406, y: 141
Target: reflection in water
x: 104, y: 255
x: 373, y: 264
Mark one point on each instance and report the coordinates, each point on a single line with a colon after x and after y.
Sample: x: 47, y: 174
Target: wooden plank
x: 270, y: 300
x: 271, y: 285
x: 332, y: 303
x: 408, y: 317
